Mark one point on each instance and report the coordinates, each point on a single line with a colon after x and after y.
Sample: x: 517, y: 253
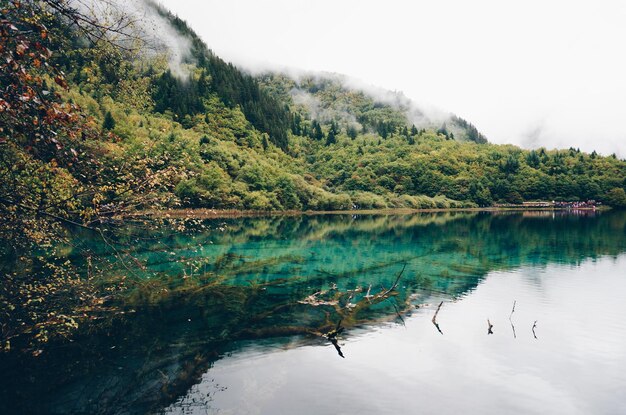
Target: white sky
x: 532, y: 73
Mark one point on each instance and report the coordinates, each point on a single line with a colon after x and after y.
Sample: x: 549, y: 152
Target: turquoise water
x: 237, y: 317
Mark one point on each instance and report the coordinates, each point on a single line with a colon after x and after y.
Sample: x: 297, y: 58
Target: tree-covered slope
x: 142, y: 134
x: 333, y: 98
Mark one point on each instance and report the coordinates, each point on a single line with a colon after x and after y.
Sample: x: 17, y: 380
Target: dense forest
x: 93, y: 128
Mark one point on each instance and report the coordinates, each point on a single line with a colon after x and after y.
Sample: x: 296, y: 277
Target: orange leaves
x: 21, y: 48
x: 4, y: 105
x: 60, y: 80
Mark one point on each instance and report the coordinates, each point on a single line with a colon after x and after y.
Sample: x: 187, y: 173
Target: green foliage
x: 180, y: 96
x: 331, y: 138
x: 109, y: 121
x: 616, y: 197
x: 469, y: 131
x: 352, y: 133
x: 316, y: 131
x: 232, y: 86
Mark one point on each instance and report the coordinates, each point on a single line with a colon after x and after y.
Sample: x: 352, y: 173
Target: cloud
x: 160, y: 30
x: 140, y: 19
x: 420, y: 115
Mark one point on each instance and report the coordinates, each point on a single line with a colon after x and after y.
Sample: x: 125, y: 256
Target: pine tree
x: 443, y: 131
x: 532, y: 159
x: 109, y: 121
x: 331, y: 138
x: 316, y: 131
x: 296, y: 127
x: 352, y: 132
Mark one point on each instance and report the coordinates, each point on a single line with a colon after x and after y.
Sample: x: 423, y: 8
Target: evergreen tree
x: 331, y: 137
x: 352, y: 132
x: 443, y: 130
x: 532, y: 159
x: 109, y: 121
x: 296, y: 124
x: 316, y: 131
x: 383, y: 129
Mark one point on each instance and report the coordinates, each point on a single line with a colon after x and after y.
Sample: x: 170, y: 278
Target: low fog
x: 139, y: 19
x: 530, y: 73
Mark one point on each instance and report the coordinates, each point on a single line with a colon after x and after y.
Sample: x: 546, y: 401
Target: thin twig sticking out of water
x: 398, y: 313
x: 435, y: 318
x: 534, y: 325
x: 510, y: 319
x: 395, y: 284
x: 332, y: 337
x: 490, y: 329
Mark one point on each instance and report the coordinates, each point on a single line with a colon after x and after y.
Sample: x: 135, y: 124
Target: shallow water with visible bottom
x: 551, y: 286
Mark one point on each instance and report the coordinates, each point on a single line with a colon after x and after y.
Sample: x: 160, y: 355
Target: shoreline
x: 202, y: 213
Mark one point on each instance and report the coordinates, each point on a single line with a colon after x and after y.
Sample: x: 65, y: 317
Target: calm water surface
x: 231, y: 319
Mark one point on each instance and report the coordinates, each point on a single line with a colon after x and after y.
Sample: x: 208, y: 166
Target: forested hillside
x: 331, y: 100
x: 91, y: 129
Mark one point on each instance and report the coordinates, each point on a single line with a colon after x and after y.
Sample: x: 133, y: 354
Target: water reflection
x: 575, y: 366
x: 284, y: 282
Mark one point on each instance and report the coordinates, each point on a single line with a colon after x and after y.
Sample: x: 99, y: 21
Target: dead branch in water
x: 534, y: 326
x: 395, y: 284
x: 368, y: 296
x: 434, y: 320
x: 332, y: 337
x: 490, y: 329
x: 511, y: 321
x: 395, y: 307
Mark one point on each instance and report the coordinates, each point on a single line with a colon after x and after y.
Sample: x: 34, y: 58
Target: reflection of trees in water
x: 163, y: 344
x: 178, y: 323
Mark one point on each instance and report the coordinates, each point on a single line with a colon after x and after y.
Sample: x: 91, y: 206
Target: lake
x: 452, y: 312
